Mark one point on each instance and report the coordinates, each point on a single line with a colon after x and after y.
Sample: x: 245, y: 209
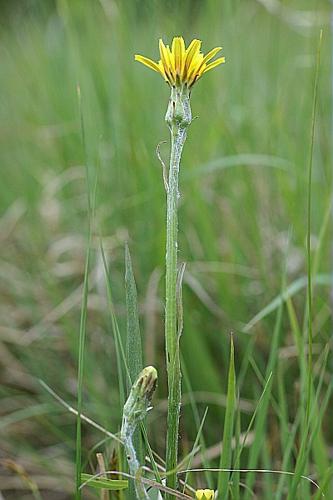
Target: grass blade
x: 84, y: 306
x: 196, y: 416
x: 82, y: 336
x: 225, y: 461
x: 313, y: 425
x: 236, y: 475
x: 261, y: 399
x: 308, y: 235
x: 305, y: 450
x: 195, y: 444
x: 286, y: 457
x: 120, y: 352
x: 260, y: 426
x: 103, y: 483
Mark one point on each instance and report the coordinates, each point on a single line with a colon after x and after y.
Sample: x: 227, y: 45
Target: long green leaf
x: 133, y: 349
x: 225, y: 461
x: 260, y: 425
x: 195, y: 444
x: 305, y: 450
x: 313, y: 425
x: 120, y: 352
x: 236, y: 475
x: 292, y: 289
x: 196, y: 417
x: 84, y: 307
x: 133, y: 338
x: 102, y: 483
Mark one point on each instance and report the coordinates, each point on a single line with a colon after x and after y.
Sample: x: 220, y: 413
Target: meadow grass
x: 250, y: 237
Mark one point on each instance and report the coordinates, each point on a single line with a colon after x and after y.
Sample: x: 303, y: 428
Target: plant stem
x: 135, y: 409
x: 308, y: 235
x: 178, y: 118
x: 134, y: 466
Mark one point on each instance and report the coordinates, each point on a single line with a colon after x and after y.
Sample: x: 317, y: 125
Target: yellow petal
x: 171, y: 60
x: 211, y: 54
x: 162, y: 49
x: 193, y: 69
x: 192, y: 50
x: 166, y: 62
x: 195, y: 63
x: 208, y: 494
x: 147, y: 62
x: 182, y: 45
x: 207, y: 58
x: 220, y: 60
x: 162, y: 71
x: 194, y: 43
x: 182, y: 56
x: 199, y: 494
x: 177, y: 53
x: 164, y: 55
x: 173, y: 45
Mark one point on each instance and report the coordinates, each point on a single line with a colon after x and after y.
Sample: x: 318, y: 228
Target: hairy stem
x: 134, y: 466
x: 135, y: 410
x: 178, y: 118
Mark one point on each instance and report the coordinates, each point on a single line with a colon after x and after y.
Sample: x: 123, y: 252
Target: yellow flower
x: 204, y: 494
x: 182, y: 66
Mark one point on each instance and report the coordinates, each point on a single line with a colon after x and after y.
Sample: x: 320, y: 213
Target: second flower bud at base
x: 139, y: 399
x: 205, y: 494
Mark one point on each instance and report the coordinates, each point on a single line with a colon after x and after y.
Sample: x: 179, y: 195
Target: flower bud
x: 139, y: 399
x: 179, y: 109
x: 204, y: 494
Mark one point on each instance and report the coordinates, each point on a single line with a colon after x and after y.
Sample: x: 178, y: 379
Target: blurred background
x: 243, y: 217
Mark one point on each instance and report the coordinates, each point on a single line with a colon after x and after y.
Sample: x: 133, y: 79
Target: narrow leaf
x: 102, y: 483
x: 225, y: 461
x: 133, y: 347
x: 236, y: 475
x: 133, y: 339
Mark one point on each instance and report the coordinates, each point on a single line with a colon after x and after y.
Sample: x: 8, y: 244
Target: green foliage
x: 225, y: 461
x: 133, y: 345
x: 102, y: 483
x: 133, y: 338
x: 242, y: 231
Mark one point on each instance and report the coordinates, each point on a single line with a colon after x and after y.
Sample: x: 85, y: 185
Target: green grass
x: 226, y: 452
x: 248, y: 231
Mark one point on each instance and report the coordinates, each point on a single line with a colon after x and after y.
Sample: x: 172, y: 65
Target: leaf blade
x: 103, y: 483
x: 225, y: 461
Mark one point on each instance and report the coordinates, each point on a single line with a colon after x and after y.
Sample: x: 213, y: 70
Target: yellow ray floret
x: 204, y: 494
x: 181, y: 66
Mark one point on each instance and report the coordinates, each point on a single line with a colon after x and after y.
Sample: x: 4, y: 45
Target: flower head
x: 204, y: 494
x: 139, y: 399
x: 181, y: 66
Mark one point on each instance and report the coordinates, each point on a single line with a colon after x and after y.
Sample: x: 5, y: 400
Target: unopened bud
x: 146, y: 384
x: 179, y: 109
x: 139, y: 399
x: 204, y: 494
